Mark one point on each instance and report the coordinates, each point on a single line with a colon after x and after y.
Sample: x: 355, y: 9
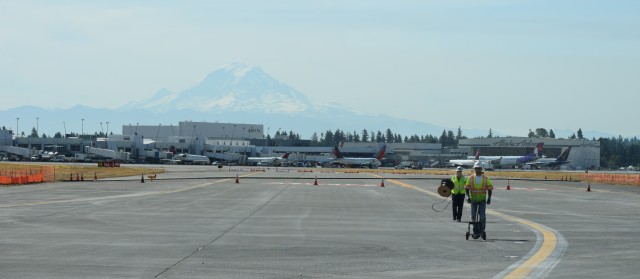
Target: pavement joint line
x: 550, y: 245
x: 223, y: 233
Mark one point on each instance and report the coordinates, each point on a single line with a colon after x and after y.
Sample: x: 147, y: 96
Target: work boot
x: 459, y: 220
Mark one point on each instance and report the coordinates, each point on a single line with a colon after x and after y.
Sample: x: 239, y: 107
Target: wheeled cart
x: 483, y: 234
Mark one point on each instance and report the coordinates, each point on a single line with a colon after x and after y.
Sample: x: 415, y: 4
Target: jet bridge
x: 20, y: 151
x: 108, y: 153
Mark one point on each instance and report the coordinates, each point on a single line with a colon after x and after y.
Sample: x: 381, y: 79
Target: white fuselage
x: 192, y: 159
x: 359, y: 161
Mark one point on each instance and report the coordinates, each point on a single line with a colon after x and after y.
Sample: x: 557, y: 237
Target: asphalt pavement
x: 203, y: 222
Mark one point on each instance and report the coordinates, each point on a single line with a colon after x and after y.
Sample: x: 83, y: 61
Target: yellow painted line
x: 549, y: 238
x: 549, y: 243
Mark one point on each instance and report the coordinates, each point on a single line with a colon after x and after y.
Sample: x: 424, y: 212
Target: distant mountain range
x: 233, y: 94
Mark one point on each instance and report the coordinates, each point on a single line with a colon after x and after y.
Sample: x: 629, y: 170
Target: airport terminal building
x: 235, y: 142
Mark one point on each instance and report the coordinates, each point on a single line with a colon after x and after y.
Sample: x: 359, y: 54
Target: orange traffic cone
x: 588, y: 187
x: 237, y: 180
x: 382, y: 183
x: 315, y: 182
x: 508, y: 185
x: 142, y: 178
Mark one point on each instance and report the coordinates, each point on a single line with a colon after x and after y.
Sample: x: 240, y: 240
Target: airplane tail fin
x: 336, y: 152
x: 285, y: 156
x: 564, y: 156
x: 478, y: 155
x: 538, y: 151
x: 172, y: 149
x: 381, y: 152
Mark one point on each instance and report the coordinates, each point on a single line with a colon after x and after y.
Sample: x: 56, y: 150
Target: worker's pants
x: 478, y: 210
x: 458, y: 205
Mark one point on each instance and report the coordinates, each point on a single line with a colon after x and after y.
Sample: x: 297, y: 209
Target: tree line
x: 614, y: 152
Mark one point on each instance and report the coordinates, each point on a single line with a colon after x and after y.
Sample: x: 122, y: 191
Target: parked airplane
x: 552, y: 162
x: 512, y: 161
x: 371, y: 162
x: 185, y: 158
x: 468, y: 163
x: 192, y: 159
x: 267, y: 160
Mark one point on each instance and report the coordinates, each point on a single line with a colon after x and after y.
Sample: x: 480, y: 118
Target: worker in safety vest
x: 458, y: 193
x: 477, y: 187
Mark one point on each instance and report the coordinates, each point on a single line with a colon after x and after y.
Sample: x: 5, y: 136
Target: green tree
x: 580, y: 133
x: 389, y: 136
x: 365, y: 135
x: 349, y: 137
x: 356, y: 137
x: 542, y: 133
x: 379, y: 137
x: 328, y: 139
x: 551, y: 134
x: 338, y: 137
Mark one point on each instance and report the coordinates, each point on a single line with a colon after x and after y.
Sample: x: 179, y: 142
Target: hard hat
x: 477, y: 165
x: 459, y: 169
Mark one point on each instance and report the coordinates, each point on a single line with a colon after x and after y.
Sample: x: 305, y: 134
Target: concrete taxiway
x: 197, y: 222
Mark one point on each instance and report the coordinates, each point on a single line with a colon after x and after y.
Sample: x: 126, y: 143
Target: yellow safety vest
x: 478, y: 193
x: 458, y: 185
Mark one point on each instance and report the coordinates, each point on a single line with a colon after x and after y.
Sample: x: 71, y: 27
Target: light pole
x: 266, y: 139
x: 37, y: 127
x: 82, y: 130
x: 233, y: 134
x: 193, y: 142
x: 64, y: 124
x: 17, y: 126
x: 157, y: 133
x: 101, y: 130
x: 107, y: 128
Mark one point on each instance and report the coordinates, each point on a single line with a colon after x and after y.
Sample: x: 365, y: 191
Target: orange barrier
x: 28, y: 176
x: 612, y: 178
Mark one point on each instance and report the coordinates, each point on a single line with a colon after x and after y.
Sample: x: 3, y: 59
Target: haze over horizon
x: 505, y: 65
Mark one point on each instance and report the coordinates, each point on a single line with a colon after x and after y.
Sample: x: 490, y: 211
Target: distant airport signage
x: 516, y: 143
x: 109, y: 164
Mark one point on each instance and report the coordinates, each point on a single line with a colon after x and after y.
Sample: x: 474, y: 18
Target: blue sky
x: 506, y: 65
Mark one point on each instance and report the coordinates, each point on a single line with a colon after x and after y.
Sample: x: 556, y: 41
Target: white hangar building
x: 584, y: 153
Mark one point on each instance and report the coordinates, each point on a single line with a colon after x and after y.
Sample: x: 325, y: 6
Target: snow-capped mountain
x: 235, y: 94
x: 236, y: 87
